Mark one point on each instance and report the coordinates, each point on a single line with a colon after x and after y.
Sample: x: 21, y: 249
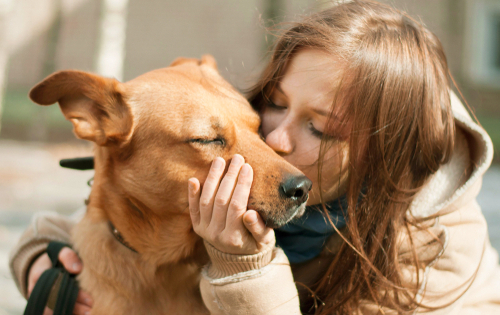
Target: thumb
x: 256, y: 226
x: 70, y: 260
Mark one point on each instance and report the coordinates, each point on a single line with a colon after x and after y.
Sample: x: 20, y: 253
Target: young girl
x: 358, y: 98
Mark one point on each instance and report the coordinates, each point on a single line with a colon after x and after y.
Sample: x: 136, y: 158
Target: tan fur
x: 144, y: 155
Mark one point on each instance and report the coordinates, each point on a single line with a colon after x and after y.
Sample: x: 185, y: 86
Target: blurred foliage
x: 491, y: 123
x: 18, y: 109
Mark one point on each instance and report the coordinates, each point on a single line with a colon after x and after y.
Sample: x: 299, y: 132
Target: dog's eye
x: 218, y: 141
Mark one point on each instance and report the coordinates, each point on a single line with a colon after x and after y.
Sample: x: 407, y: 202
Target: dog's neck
x: 157, y: 240
x: 162, y: 236
x: 110, y: 267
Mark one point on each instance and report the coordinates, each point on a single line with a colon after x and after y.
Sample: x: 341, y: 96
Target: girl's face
x: 294, y: 121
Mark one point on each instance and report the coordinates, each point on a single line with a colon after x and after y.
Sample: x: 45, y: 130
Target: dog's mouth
x: 277, y: 221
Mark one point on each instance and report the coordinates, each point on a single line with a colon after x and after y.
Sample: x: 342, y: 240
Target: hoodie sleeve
x: 44, y: 228
x: 252, y: 284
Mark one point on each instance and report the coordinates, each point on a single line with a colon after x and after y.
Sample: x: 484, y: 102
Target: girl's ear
x: 95, y: 105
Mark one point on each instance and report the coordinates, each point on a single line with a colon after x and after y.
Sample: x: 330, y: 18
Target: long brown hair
x: 394, y: 93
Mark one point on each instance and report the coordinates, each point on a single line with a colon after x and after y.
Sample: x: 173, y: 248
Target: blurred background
x: 125, y: 38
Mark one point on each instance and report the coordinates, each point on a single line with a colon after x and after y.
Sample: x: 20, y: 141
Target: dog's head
x: 158, y: 130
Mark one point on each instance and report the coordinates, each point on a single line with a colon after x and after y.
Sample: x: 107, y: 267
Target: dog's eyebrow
x: 217, y: 123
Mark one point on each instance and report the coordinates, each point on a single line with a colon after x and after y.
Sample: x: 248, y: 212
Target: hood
x: 471, y: 158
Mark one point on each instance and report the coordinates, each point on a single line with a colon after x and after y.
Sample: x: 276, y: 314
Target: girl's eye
x: 314, y: 131
x: 218, y: 141
x: 272, y: 105
x: 318, y: 134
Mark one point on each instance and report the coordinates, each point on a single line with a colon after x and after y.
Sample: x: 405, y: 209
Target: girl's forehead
x: 312, y: 74
x: 313, y: 66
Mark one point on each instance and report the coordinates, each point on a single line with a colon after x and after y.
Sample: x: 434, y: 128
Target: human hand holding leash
x: 219, y: 213
x: 71, y: 263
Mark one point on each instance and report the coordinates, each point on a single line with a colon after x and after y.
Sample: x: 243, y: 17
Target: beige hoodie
x: 466, y: 269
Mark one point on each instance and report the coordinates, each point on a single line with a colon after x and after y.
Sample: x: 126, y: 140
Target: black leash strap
x: 68, y: 287
x: 82, y: 164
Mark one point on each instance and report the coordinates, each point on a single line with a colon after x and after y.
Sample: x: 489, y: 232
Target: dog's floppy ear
x: 94, y: 104
x: 207, y: 60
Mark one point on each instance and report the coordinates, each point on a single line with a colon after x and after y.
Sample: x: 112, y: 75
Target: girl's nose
x: 280, y: 141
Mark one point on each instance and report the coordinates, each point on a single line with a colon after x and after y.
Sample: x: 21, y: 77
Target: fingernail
x: 191, y: 185
x: 251, y: 219
x: 76, y: 266
x: 217, y: 164
x: 237, y: 159
x: 245, y: 169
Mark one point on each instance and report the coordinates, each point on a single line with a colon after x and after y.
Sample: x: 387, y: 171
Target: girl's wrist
x: 225, y: 264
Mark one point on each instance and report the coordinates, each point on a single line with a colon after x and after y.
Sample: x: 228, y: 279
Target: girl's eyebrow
x: 318, y: 111
x: 278, y: 87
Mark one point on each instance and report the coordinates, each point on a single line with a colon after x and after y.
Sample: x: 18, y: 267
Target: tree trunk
x: 111, y: 53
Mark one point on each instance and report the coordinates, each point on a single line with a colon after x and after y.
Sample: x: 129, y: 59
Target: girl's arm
x: 245, y: 284
x: 44, y: 228
x: 247, y: 273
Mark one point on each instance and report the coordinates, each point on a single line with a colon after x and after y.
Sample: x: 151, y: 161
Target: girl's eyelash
x: 271, y: 104
x: 315, y: 131
x: 320, y: 134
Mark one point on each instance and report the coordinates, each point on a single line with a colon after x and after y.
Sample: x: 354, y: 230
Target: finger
x: 84, y: 298
x: 70, y: 260
x: 225, y: 192
x: 209, y: 188
x: 194, y: 200
x: 239, y: 201
x: 81, y: 309
x: 41, y: 264
x: 48, y: 311
x: 255, y: 225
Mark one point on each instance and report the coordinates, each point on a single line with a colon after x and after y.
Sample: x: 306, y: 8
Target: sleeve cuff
x: 224, y: 264
x: 22, y: 261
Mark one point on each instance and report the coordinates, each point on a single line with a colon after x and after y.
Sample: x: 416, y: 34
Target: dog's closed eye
x: 218, y: 141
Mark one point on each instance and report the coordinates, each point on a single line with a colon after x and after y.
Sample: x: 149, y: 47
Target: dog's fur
x: 152, y: 134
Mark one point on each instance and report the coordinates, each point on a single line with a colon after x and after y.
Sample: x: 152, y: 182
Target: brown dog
x: 152, y: 134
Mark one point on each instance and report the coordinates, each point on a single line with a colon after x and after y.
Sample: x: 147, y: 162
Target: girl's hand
x: 72, y: 264
x: 219, y: 213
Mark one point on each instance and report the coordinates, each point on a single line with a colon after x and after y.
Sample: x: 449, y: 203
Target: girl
x: 358, y: 98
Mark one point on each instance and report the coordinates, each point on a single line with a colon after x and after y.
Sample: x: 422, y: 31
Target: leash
x: 56, y: 288
x: 53, y: 280
x: 82, y: 164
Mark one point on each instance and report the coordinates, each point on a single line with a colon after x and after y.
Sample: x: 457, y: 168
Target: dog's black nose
x: 296, y: 188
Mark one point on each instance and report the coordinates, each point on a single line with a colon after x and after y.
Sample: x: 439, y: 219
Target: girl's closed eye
x: 321, y: 135
x: 272, y: 105
x: 315, y: 132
